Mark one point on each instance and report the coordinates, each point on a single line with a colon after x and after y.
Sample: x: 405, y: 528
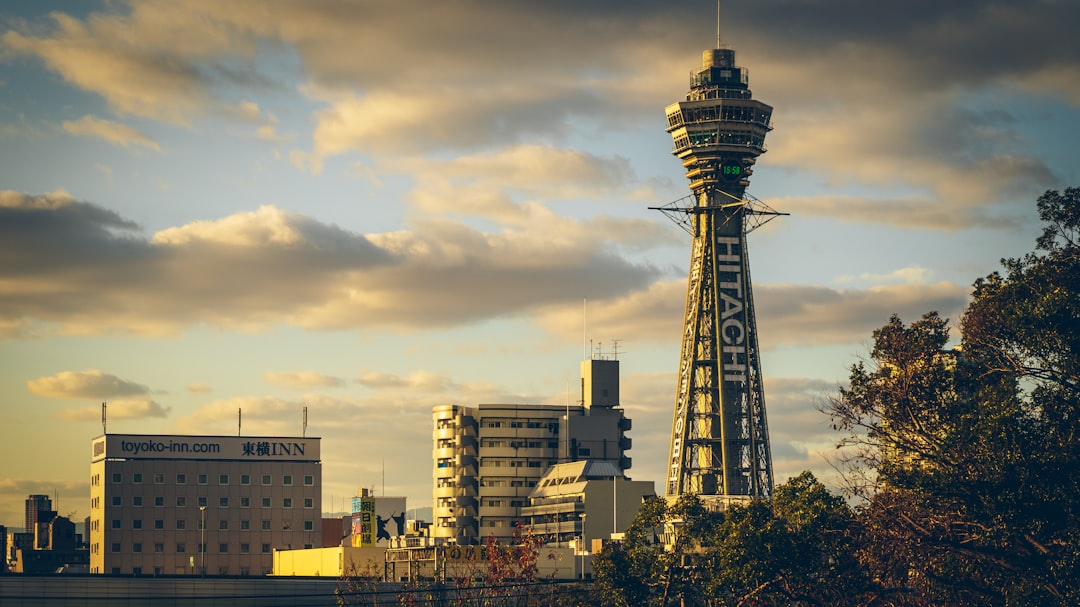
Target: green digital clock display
x: 731, y: 171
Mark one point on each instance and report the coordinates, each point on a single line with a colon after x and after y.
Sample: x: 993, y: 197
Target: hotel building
x: 214, y: 505
x: 489, y: 458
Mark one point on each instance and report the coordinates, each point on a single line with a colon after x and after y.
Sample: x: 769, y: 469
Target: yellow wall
x: 328, y: 562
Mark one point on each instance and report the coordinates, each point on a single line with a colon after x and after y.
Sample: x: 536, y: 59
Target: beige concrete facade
x: 489, y: 458
x: 218, y: 505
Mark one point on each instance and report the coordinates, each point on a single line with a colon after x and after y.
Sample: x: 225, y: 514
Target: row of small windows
x: 517, y: 423
x: 512, y: 463
x: 202, y: 479
x: 223, y: 525
x: 502, y: 482
x: 180, y: 548
x: 223, y: 502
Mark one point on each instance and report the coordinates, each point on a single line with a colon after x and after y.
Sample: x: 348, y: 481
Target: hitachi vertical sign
x: 239, y: 448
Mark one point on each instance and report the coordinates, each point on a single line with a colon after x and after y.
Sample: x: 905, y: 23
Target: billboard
x: 376, y: 519
x: 171, y: 446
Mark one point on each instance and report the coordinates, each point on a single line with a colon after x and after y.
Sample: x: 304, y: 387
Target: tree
x: 793, y: 550
x: 968, y: 459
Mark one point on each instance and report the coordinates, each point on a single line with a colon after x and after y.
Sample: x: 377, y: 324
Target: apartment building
x: 489, y: 458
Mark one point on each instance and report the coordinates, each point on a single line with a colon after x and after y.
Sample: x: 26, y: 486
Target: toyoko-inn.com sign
x: 156, y: 446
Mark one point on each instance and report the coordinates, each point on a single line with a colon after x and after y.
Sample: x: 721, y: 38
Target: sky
x: 369, y: 208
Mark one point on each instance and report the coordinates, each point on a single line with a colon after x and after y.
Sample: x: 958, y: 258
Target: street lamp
x: 202, y: 543
x: 581, y: 546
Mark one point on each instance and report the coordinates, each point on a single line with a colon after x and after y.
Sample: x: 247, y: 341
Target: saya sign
x: 142, y: 446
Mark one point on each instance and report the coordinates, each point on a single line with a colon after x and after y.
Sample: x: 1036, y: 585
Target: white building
x: 489, y: 458
x: 219, y: 505
x: 578, y: 502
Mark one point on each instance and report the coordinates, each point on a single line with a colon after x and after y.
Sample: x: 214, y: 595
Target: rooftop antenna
x: 104, y: 417
x: 239, y: 420
x: 717, y: 23
x: 303, y: 431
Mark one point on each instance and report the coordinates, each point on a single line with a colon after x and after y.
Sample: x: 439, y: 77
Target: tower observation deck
x: 719, y: 435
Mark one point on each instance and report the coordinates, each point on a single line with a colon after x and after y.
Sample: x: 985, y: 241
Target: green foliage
x: 791, y: 551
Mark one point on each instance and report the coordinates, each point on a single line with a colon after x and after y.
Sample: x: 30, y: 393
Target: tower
x: 719, y: 436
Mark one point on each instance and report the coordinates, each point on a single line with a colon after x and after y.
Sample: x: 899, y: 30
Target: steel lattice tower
x: 719, y: 435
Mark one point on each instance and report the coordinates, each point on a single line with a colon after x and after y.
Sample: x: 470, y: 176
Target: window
x: 136, y: 501
x: 245, y: 548
x: 245, y: 479
x: 223, y: 479
x: 116, y: 500
x: 245, y: 502
x: 116, y: 477
x: 286, y: 480
x: 266, y: 525
x: 159, y: 523
x: 202, y: 502
x: 181, y: 548
x: 265, y: 502
x: 245, y: 525
x: 287, y: 502
x: 181, y: 479
x: 309, y: 480
x: 309, y: 525
x: 223, y: 548
x: 136, y: 547
x: 223, y: 502
x: 181, y: 524
x: 159, y: 548
x: 159, y: 501
x: 266, y: 479
x: 137, y: 570
x: 202, y: 479
x: 116, y: 547
x: 116, y: 523
x: 136, y: 523
x: 136, y: 478
x: 309, y: 502
x: 159, y: 478
x: 181, y: 501
x: 266, y: 548
x: 223, y: 524
x: 584, y: 452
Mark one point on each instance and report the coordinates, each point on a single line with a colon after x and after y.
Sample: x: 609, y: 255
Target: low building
x: 212, y: 505
x: 579, y: 502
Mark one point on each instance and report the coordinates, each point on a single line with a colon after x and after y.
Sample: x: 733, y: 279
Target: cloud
x: 417, y: 381
x: 199, y: 388
x: 910, y: 96
x: 80, y: 269
x: 787, y: 315
x: 124, y: 408
x: 84, y: 384
x: 302, y: 380
x: 113, y: 132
